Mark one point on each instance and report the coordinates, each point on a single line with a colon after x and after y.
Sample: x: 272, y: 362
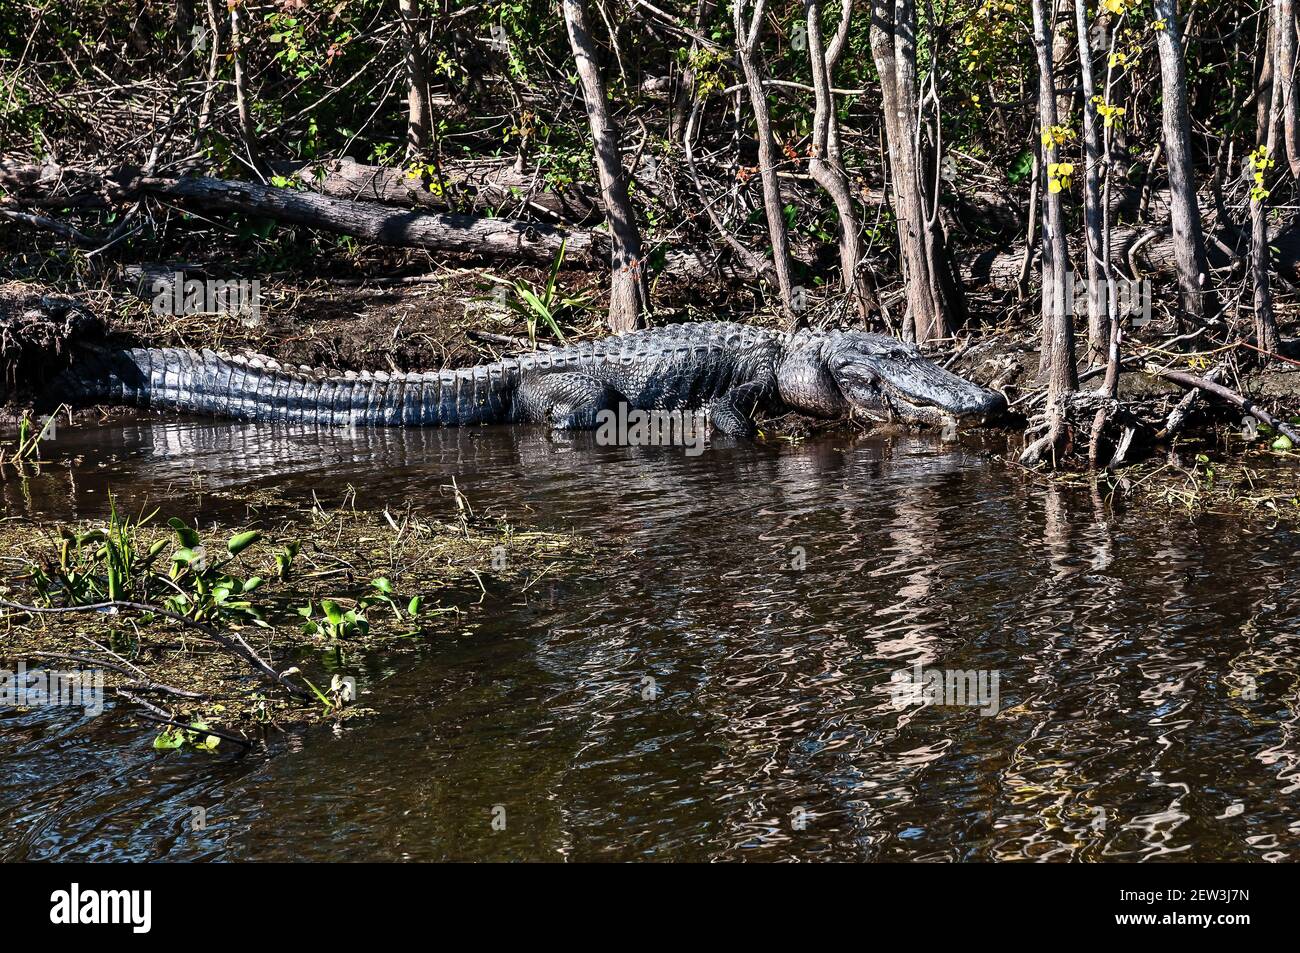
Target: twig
x: 1231, y: 396
x: 509, y: 340
x: 162, y: 716
x: 232, y: 643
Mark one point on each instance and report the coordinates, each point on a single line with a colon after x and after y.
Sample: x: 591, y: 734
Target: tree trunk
x: 210, y: 85
x: 751, y: 65
x: 1196, y: 295
x: 184, y: 40
x: 934, y: 304
x: 823, y: 166
x: 1098, y: 324
x: 419, y: 117
x: 1285, y: 83
x: 1062, y: 46
x: 1264, y: 81
x: 1057, y: 366
x: 1266, y: 333
x: 243, y: 102
x: 628, y: 297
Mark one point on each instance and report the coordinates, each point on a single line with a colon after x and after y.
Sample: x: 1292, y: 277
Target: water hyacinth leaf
x: 1283, y: 443
x: 413, y: 607
x: 188, y: 536
x: 383, y: 585
x: 241, y: 541
x: 169, y: 739
x: 209, y: 742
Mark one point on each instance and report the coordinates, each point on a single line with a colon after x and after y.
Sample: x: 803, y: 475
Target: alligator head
x: 830, y: 373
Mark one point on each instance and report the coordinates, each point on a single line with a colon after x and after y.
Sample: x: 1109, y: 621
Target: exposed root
x: 35, y: 332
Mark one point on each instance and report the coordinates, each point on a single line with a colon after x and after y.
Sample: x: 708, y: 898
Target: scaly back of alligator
x: 257, y: 388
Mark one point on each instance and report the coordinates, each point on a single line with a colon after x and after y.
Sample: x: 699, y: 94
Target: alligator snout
x: 923, y: 392
x: 984, y: 406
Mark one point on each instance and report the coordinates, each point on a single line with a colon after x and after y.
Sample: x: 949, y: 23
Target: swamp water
x: 726, y: 688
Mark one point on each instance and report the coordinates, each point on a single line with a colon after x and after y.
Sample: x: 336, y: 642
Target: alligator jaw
x: 909, y: 388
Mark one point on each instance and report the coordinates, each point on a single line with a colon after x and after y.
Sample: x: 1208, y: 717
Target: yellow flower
x: 1114, y: 6
x: 1159, y: 24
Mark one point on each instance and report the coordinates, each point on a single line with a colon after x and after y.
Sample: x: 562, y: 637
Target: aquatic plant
x: 544, y: 304
x: 206, y: 592
x: 27, y: 448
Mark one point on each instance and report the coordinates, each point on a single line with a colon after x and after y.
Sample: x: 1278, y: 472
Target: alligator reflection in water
x: 703, y: 697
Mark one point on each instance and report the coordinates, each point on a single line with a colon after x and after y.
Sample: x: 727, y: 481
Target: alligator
x: 728, y: 370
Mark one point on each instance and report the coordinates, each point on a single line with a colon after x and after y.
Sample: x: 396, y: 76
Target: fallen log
x: 471, y: 235
x: 470, y: 185
x: 448, y: 232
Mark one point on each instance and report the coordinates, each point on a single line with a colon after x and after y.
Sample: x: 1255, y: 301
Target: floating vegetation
x: 26, y: 448
x: 238, y: 628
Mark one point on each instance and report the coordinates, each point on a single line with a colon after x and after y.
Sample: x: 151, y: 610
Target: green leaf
x: 332, y: 611
x: 319, y: 694
x: 413, y: 607
x: 188, y: 536
x: 383, y: 585
x: 1283, y: 443
x: 1022, y: 167
x: 169, y: 739
x: 209, y: 743
x: 241, y: 541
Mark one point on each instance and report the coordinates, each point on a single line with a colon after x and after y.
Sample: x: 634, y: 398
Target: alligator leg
x: 733, y: 412
x: 566, y: 401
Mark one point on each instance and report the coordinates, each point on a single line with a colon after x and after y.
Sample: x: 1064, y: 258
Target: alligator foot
x: 733, y: 412
x: 566, y: 401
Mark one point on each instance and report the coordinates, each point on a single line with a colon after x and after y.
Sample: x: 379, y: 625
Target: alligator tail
x: 255, y: 388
